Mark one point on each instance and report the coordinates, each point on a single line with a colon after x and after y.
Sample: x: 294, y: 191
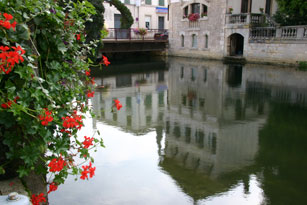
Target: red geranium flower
x: 118, y: 105
x: 46, y: 118
x: 36, y: 200
x: 87, y: 170
x: 90, y: 94
x: 105, y: 60
x: 52, y: 187
x: 87, y: 142
x: 57, y: 164
x: 78, y: 37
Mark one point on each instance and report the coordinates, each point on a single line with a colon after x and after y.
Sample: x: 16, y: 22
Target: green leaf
x: 23, y: 32
x: 2, y: 171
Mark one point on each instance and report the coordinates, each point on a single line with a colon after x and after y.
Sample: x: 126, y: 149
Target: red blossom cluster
x: 87, y: 142
x: 194, y: 17
x: 6, y: 23
x: 36, y: 200
x: 78, y: 37
x: 57, y: 164
x: 52, y: 187
x: 118, y: 105
x: 8, y: 104
x: 90, y: 94
x: 74, y: 121
x: 87, y: 170
x: 105, y: 60
x: 46, y: 118
x: 88, y: 73
x: 8, y: 59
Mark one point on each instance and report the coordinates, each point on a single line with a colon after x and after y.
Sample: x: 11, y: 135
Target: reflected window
x: 161, y: 76
x: 200, y: 138
x: 187, y: 134
x: 161, y: 99
x: 212, y: 142
x: 182, y: 72
x: 194, y: 41
x: 129, y: 120
x: 115, y: 117
x: 177, y: 130
x: 201, y: 102
x: 193, y: 74
x: 167, y: 127
x: 148, y: 120
x: 148, y: 101
x: 184, y: 100
x: 205, y: 75
x: 123, y: 81
x: 128, y: 102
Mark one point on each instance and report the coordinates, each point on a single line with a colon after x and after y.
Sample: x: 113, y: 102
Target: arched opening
x: 235, y: 44
x: 182, y: 41
x: 206, y: 41
x: 194, y: 41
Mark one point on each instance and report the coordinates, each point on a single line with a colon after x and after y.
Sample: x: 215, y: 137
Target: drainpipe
x: 14, y: 199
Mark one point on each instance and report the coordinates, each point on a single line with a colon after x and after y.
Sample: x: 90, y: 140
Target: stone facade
x: 225, y: 31
x: 210, y: 27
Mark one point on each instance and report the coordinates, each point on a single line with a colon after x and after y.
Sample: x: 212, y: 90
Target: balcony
x: 248, y: 20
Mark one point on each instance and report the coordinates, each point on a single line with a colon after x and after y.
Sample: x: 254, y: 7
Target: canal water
x: 196, y: 132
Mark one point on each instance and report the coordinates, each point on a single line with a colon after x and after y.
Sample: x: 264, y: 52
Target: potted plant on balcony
x: 194, y: 17
x: 230, y: 9
x: 142, y: 32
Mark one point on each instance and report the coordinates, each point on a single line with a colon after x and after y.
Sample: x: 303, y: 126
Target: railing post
x: 248, y: 18
x: 300, y: 32
x: 278, y: 32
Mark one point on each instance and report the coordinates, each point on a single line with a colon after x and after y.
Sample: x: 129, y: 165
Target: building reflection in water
x: 207, y: 117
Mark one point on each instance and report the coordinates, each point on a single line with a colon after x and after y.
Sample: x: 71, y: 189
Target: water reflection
x: 203, y: 132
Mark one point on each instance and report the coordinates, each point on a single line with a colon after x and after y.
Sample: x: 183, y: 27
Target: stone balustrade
x: 291, y: 33
x: 194, y: 24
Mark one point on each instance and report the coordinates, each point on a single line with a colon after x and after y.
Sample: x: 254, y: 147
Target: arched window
x: 206, y: 41
x: 195, y: 8
x: 194, y: 41
x: 182, y: 40
x: 204, y: 11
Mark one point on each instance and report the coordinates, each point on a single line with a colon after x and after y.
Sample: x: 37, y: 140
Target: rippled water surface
x: 196, y: 132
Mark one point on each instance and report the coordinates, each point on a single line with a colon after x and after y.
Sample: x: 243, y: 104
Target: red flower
x: 56, y: 164
x: 8, y: 59
x: 87, y: 170
x: 105, y: 60
x: 93, y: 81
x: 46, y: 118
x: 88, y: 73
x: 118, y: 105
x: 90, y: 94
x: 78, y: 37
x: 7, y: 16
x: 52, y: 187
x: 75, y: 121
x: 9, y: 103
x: 87, y: 142
x: 36, y: 200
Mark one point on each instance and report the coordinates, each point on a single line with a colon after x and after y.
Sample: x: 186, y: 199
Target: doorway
x: 235, y: 44
x: 161, y: 23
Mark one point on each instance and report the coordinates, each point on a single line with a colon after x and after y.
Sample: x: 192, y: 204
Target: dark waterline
x: 196, y: 132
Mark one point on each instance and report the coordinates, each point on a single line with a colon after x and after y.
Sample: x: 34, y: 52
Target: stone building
x: 150, y: 14
x: 241, y: 28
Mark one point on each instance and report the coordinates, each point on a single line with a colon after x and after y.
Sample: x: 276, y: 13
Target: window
x: 204, y: 11
x: 205, y: 75
x: 182, y: 72
x: 194, y: 41
x: 182, y: 40
x: 206, y: 41
x: 193, y: 74
x: 148, y: 2
x: 186, y: 12
x: 195, y: 8
x: 161, y: 2
x: 127, y: 1
x: 147, y: 22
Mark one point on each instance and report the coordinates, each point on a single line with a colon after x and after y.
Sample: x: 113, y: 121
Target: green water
x: 196, y: 132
